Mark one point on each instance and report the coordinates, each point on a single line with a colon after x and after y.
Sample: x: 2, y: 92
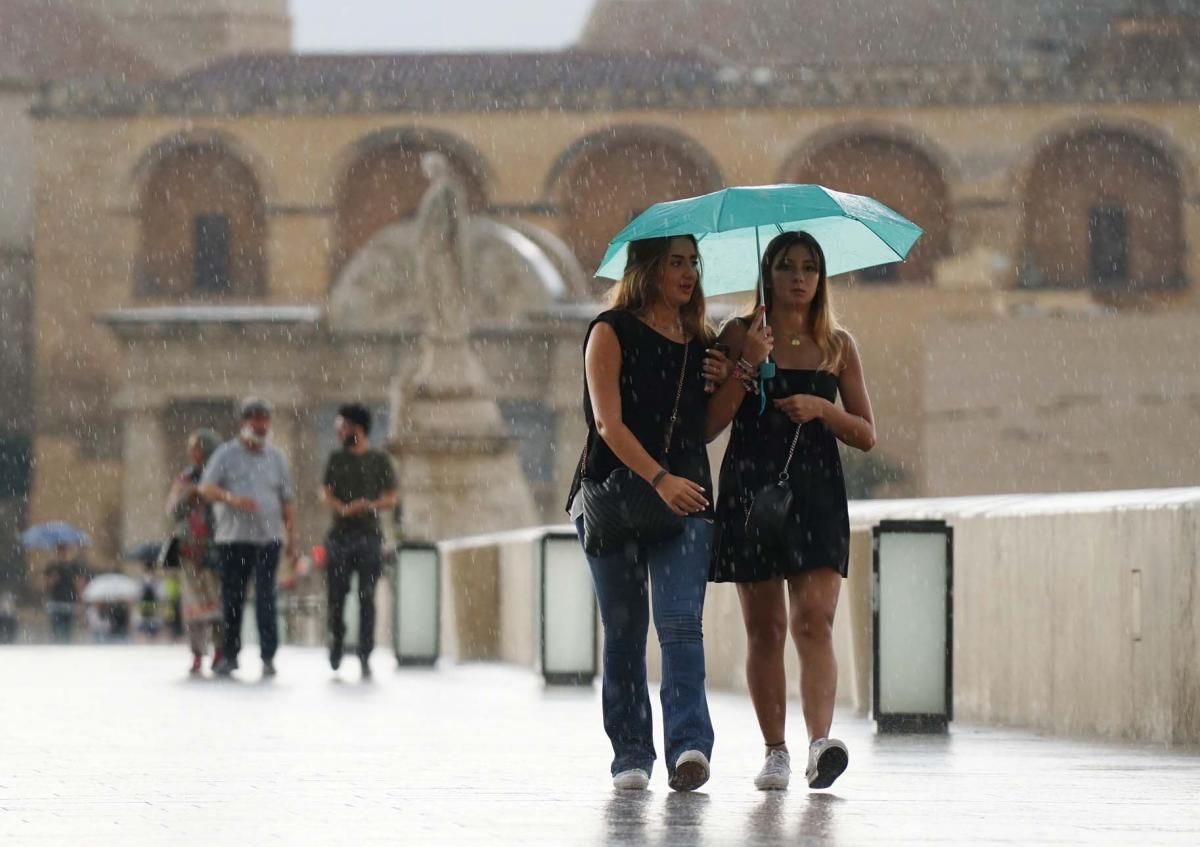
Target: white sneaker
x: 776, y: 771
x: 827, y: 759
x: 634, y: 779
x: 691, y: 771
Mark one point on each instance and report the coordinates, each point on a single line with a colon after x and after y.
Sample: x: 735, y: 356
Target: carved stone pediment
x: 511, y: 272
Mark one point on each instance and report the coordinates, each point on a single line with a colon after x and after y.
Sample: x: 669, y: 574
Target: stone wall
x: 1059, y: 403
x: 1073, y: 614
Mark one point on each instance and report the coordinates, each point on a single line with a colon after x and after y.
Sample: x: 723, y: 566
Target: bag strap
x: 678, y: 394
x: 670, y: 423
x: 784, y: 476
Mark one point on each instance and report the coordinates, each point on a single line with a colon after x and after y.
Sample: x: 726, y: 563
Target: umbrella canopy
x: 112, y: 588
x: 733, y: 226
x: 47, y: 536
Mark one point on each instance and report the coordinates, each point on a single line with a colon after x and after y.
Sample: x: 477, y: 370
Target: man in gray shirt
x: 249, y: 481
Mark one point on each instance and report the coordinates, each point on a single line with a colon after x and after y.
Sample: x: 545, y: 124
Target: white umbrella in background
x: 112, y: 588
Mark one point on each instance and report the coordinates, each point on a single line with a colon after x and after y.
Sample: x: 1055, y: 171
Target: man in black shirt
x: 64, y: 578
x: 359, y: 482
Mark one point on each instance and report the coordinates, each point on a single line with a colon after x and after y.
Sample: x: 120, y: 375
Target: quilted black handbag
x: 624, y: 507
x: 770, y: 508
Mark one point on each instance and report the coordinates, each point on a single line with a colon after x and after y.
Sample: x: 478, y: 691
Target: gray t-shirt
x: 263, y: 476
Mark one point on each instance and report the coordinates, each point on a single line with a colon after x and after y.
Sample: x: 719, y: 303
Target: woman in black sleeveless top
x: 816, y: 360
x: 634, y: 356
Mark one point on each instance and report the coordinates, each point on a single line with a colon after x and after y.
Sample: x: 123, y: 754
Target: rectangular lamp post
x: 568, y: 612
x: 416, y: 606
x: 913, y: 622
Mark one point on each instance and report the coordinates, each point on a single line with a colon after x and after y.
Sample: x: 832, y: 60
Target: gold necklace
x: 676, y: 327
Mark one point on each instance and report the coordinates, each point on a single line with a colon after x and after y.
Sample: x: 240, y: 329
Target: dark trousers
x: 238, y: 563
x: 344, y: 557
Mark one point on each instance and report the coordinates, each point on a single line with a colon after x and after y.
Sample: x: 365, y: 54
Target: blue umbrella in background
x: 734, y: 225
x: 47, y: 536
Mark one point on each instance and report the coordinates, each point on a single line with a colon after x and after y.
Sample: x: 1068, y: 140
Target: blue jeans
x: 238, y: 563
x: 676, y: 574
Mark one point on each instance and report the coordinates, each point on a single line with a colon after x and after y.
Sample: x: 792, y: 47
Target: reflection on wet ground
x: 116, y: 746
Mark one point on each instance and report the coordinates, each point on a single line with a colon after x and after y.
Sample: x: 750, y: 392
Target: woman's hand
x: 717, y: 369
x: 802, y: 408
x: 759, y: 341
x: 682, y: 496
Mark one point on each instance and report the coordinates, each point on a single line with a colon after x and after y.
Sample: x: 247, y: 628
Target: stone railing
x: 1073, y: 613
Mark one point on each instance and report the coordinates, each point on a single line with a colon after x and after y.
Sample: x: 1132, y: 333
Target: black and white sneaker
x: 827, y: 760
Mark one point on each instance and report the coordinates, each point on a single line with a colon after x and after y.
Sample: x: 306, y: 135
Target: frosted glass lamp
x: 568, y: 612
x: 912, y: 606
x: 416, y: 607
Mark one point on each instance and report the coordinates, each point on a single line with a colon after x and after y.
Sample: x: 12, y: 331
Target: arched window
x: 1103, y: 210
x: 384, y: 185
x: 900, y: 176
x: 608, y: 179
x: 203, y: 227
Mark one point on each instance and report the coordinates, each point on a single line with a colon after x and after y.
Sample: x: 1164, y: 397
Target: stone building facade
x: 1058, y: 187
x: 43, y: 41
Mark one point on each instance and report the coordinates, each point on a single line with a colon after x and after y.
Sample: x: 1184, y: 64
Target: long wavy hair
x: 638, y: 288
x: 829, y: 335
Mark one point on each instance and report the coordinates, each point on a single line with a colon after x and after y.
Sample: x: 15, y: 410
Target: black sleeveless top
x: 650, y: 366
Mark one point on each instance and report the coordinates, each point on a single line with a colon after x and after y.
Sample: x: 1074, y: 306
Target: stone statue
x: 442, y: 251
x: 460, y: 469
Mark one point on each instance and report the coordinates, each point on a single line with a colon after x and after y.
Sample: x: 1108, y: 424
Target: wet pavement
x: 116, y: 745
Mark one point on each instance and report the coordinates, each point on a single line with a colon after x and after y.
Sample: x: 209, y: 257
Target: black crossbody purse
x: 624, y: 507
x: 770, y: 508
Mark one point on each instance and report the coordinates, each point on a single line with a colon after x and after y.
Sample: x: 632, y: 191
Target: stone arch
x: 202, y: 220
x: 897, y: 168
x: 379, y: 181
x: 167, y: 147
x: 605, y: 178
x: 1102, y: 207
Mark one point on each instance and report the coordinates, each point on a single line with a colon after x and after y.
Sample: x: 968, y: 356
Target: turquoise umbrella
x: 734, y: 225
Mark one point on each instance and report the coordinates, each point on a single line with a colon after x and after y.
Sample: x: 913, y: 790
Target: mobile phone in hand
x: 723, y: 349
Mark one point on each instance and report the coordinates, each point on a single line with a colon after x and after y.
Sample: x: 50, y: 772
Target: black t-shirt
x: 365, y: 476
x: 650, y: 368
x: 63, y: 576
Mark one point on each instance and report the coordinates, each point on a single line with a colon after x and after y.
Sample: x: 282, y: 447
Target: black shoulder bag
x: 624, y: 507
x: 770, y: 508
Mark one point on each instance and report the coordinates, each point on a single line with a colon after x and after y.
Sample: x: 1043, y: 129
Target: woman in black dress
x: 792, y: 586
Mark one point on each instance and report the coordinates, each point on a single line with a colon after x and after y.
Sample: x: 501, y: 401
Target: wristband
x: 658, y: 477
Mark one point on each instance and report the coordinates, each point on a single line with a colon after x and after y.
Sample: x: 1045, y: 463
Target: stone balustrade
x: 1073, y: 613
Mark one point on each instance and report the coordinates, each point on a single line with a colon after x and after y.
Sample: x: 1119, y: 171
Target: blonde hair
x: 828, y: 334
x: 638, y: 287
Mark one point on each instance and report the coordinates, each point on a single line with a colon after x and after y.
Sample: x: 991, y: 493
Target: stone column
x: 146, y: 476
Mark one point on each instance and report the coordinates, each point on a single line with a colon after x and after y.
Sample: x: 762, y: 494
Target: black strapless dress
x: 819, y: 535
